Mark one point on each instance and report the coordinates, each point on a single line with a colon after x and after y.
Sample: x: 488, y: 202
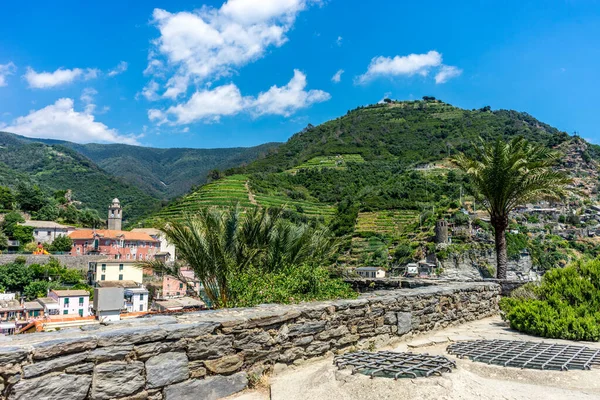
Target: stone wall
x: 77, y: 262
x: 475, y: 265
x: 212, y: 354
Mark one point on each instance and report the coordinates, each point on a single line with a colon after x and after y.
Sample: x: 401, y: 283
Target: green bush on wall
x: 566, y: 305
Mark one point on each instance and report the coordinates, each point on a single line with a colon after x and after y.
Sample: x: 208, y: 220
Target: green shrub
x: 288, y: 285
x: 566, y: 305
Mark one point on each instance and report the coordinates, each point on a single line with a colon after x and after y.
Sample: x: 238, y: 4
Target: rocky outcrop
x: 479, y: 264
x: 208, y: 355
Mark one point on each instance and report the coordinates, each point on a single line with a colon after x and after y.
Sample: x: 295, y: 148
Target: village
x: 121, y: 288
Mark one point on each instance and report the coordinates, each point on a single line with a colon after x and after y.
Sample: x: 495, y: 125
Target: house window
x: 81, y: 302
x: 103, y: 267
x: 81, y: 312
x: 181, y: 286
x: 107, y: 243
x: 48, y: 233
x: 120, y: 277
x: 102, y: 277
x: 141, y: 307
x: 66, y: 302
x: 36, y: 233
x: 141, y: 297
x: 65, y: 312
x: 120, y: 267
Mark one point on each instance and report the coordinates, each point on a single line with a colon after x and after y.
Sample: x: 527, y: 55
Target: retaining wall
x: 77, y: 262
x: 212, y: 354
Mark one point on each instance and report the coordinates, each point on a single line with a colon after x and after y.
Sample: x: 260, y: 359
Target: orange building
x: 122, y: 245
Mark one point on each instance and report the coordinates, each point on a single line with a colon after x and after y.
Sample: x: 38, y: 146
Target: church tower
x: 115, y: 216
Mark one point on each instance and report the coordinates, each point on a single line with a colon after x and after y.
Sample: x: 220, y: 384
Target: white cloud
x: 119, y: 69
x: 446, y: 73
x: 339, y: 40
x: 288, y: 99
x: 149, y: 91
x: 205, y: 45
x: 210, y: 105
x: 60, y: 77
x: 61, y: 121
x: 6, y: 70
x: 401, y: 65
x: 337, y: 77
x: 87, y: 97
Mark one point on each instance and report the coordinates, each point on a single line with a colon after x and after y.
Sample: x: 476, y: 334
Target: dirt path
x: 251, y: 198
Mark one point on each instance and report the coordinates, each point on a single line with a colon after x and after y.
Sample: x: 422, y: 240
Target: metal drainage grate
x: 533, y: 355
x: 396, y: 365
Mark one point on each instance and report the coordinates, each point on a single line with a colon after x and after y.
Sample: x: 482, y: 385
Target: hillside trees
x: 505, y: 175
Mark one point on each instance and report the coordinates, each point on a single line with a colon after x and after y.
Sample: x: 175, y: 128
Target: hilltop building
x: 72, y: 302
x: 120, y: 245
x: 115, y: 215
x: 166, y: 252
x: 47, y: 231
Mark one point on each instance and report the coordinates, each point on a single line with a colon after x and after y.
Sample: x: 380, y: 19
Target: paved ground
x: 321, y: 380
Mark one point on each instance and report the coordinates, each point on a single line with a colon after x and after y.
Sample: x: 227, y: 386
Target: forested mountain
x: 378, y: 176
x: 141, y: 177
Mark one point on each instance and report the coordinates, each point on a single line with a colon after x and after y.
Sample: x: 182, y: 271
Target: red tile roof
x: 111, y: 234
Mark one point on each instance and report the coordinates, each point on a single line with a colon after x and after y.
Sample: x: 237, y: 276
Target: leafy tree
x: 70, y: 214
x: 90, y: 218
x: 11, y: 221
x: 221, y: 245
x: 37, y: 289
x: 49, y: 212
x: 505, y: 175
x: 30, y: 197
x: 7, y: 198
x: 24, y: 234
x: 14, y: 276
x: 3, y: 241
x: 62, y: 243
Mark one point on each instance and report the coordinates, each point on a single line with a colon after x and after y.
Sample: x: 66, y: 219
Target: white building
x: 167, y: 250
x: 371, y: 272
x: 114, y: 270
x: 47, y: 231
x: 136, y: 299
x: 72, y: 302
x: 108, y: 303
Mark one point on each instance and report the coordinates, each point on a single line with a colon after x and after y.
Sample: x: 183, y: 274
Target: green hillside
x: 55, y: 167
x: 378, y: 176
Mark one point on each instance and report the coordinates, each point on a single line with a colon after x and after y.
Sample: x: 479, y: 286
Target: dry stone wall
x: 213, y: 354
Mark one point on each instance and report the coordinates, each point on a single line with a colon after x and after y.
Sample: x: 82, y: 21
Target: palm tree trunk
x: 500, y: 223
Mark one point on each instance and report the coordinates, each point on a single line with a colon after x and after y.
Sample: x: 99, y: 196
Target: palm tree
x: 505, y: 175
x: 218, y: 244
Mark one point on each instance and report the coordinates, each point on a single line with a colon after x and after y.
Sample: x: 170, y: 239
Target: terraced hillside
x: 339, y: 161
x: 389, y: 222
x: 233, y: 190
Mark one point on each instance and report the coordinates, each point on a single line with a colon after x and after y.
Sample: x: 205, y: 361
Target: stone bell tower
x: 115, y: 215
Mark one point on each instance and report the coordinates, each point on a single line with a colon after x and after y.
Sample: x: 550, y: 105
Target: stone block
x: 111, y: 353
x: 333, y: 333
x: 12, y: 355
x: 53, y: 348
x: 306, y: 328
x: 253, y: 340
x: 212, y: 388
x: 347, y: 340
x: 147, y: 350
x: 84, y: 368
x: 55, y: 364
x: 196, y: 369
x: 72, y: 387
x: 134, y: 335
x: 278, y: 318
x: 210, y: 347
x: 225, y: 365
x: 192, y: 330
x: 165, y: 369
x: 116, y: 379
x: 404, y: 323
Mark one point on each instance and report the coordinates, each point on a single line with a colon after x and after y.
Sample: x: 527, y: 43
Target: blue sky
x: 245, y: 72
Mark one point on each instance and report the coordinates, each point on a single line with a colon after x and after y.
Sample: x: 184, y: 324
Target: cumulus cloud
x: 60, y: 77
x: 87, y: 97
x: 446, y: 73
x: 61, y: 121
x: 288, y: 99
x: 408, y: 65
x: 205, y: 45
x: 209, y: 105
x: 5, y: 71
x: 337, y: 77
x: 119, y: 69
x: 150, y: 91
